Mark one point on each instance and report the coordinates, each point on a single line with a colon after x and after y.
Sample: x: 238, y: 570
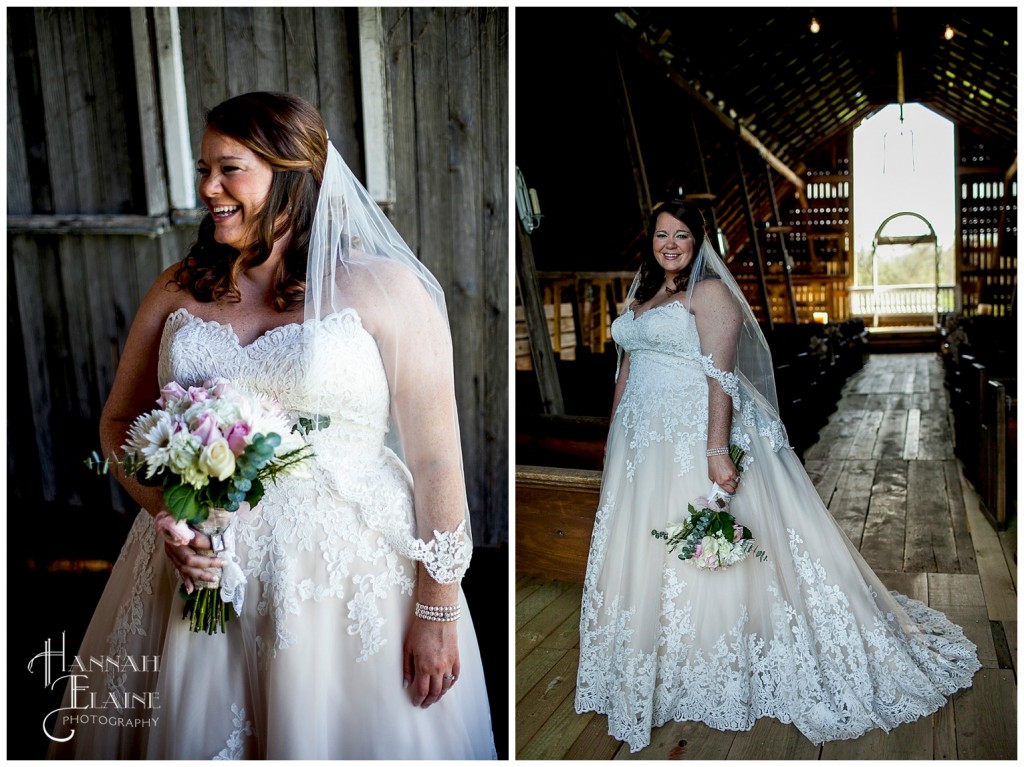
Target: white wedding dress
x: 312, y: 668
x: 810, y: 637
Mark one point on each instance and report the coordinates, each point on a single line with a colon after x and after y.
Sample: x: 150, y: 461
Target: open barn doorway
x: 904, y: 167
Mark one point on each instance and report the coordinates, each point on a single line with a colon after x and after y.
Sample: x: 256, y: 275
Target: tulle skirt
x: 234, y: 695
x: 810, y: 636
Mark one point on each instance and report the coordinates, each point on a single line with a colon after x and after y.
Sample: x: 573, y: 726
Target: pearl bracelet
x: 444, y: 613
x: 717, y: 451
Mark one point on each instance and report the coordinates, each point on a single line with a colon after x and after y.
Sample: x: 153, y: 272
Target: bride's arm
x: 620, y: 382
x: 134, y: 392
x: 136, y: 388
x: 416, y: 348
x: 718, y: 325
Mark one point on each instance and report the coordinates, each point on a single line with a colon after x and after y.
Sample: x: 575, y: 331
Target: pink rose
x: 698, y: 552
x: 177, y: 533
x: 198, y: 394
x: 737, y: 533
x: 712, y: 562
x: 237, y: 437
x: 219, y: 387
x: 207, y: 430
x: 171, y: 391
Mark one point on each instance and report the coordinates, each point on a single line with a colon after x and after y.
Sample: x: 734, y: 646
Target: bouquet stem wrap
x: 216, y: 602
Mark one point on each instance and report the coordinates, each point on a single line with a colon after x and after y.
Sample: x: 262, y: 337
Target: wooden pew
x: 555, y: 510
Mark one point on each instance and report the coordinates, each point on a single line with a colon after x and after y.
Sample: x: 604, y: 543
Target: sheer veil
x: 359, y: 264
x: 741, y: 364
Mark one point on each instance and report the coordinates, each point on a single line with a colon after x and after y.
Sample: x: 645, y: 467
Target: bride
x: 353, y: 641
x: 808, y: 636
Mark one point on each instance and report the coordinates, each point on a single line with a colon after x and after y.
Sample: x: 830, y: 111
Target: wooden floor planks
x: 884, y: 466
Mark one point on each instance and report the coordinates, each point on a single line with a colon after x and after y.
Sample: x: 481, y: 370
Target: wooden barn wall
x: 987, y: 227
x: 74, y: 145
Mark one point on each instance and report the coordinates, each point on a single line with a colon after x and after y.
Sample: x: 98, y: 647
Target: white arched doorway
x: 905, y: 274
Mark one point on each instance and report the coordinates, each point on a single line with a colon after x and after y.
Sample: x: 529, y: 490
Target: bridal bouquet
x: 711, y: 537
x: 211, y: 448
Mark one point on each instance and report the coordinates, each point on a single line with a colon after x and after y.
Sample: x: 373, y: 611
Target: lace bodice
x: 355, y: 495
x: 349, y: 386
x: 666, y: 395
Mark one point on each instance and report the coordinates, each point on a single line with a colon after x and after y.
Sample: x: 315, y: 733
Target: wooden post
x: 787, y: 262
x: 153, y: 170
x: 537, y: 326
x: 378, y: 130
x: 749, y: 209
x: 174, y: 109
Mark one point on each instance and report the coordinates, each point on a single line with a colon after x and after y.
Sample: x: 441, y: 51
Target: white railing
x: 902, y: 299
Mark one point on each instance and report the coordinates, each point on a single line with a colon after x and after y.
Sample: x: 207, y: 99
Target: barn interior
x: 753, y: 113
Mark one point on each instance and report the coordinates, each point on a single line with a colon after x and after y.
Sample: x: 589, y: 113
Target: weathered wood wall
x: 75, y: 148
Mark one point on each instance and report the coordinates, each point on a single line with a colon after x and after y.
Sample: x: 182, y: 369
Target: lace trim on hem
x: 128, y: 620
x: 236, y: 740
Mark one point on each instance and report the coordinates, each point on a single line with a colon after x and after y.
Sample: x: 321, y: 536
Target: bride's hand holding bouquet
x: 210, y: 448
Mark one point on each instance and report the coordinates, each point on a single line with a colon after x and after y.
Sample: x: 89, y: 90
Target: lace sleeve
x: 718, y: 326
x: 418, y: 361
x: 728, y: 380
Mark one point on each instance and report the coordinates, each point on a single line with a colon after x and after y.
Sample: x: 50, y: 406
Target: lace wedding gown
x: 810, y: 637
x: 312, y: 668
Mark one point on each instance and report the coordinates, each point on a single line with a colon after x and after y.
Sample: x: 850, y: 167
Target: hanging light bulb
x: 815, y: 26
x: 948, y: 34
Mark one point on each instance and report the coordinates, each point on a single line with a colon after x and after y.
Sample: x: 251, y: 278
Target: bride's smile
x: 234, y: 184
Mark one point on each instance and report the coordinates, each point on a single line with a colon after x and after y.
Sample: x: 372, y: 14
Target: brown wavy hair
x: 651, y: 274
x: 288, y: 133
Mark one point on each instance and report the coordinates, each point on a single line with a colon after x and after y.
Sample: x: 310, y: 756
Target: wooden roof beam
x: 732, y: 125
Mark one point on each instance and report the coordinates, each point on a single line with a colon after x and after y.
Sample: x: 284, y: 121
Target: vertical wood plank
x: 336, y: 68
x: 241, y: 50
x: 32, y: 272
x: 1000, y: 594
x: 150, y: 126
x: 913, y: 437
x: 192, y: 57
x: 399, y: 49
x: 863, y: 445
x: 966, y: 560
x: 930, y: 544
x: 211, y: 40
x: 299, y: 54
x: 494, y: 114
x: 269, y: 49
x: 466, y: 307
x: 852, y: 496
x: 58, y: 129
x: 885, y: 529
x: 892, y: 434
x: 432, y: 125
x: 19, y: 187
x: 79, y: 88
x: 825, y: 476
x: 986, y: 717
x: 107, y: 31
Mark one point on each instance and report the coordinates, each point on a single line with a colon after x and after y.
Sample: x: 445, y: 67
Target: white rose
x: 217, y: 460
